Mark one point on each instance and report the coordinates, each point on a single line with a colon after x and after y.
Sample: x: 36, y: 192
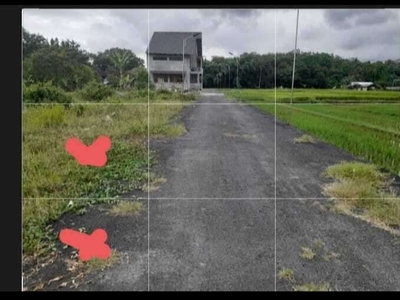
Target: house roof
x: 171, y: 42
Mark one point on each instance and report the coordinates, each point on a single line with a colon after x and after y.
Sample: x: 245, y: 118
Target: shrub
x: 142, y: 80
x: 164, y: 91
x: 44, y: 92
x: 187, y: 97
x: 95, y: 91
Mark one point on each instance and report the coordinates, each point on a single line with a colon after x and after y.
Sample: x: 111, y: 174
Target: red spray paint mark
x: 89, y: 246
x: 93, y: 155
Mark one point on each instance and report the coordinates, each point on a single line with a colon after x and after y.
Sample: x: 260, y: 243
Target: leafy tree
x: 31, y: 43
x: 60, y: 65
x: 113, y: 62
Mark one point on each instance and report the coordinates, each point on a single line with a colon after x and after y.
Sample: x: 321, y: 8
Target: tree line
x: 67, y: 66
x: 313, y: 70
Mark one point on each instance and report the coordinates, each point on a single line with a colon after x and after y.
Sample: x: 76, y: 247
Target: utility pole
x: 229, y: 68
x: 237, y: 73
x: 294, y: 64
x: 294, y: 57
x: 183, y: 59
x: 259, y: 82
x: 183, y: 64
x: 237, y: 70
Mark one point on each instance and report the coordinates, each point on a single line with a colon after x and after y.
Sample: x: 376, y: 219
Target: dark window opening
x: 175, y: 58
x: 176, y: 78
x: 159, y: 58
x: 160, y: 78
x: 193, y: 78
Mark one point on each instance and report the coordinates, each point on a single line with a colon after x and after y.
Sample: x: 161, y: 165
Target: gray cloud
x: 310, y: 33
x: 335, y: 31
x: 366, y: 34
x: 231, y: 13
x: 348, y: 18
x: 389, y: 37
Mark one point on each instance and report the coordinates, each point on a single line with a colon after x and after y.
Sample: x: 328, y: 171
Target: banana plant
x: 120, y: 61
x: 126, y: 81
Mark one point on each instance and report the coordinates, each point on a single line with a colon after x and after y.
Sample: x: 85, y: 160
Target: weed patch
x: 359, y: 186
x: 307, y: 253
x: 286, y: 274
x: 312, y: 287
x: 305, y: 138
x: 126, y: 208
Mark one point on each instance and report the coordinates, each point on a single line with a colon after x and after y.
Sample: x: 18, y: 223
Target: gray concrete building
x: 166, y: 67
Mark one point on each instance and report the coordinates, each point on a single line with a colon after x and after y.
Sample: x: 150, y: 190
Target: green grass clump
x: 307, y: 253
x: 96, y: 264
x: 361, y: 172
x: 47, y: 116
x: 286, y: 274
x: 359, y: 185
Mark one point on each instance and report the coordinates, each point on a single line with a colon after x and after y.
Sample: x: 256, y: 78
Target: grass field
x: 138, y: 96
x: 54, y: 176
x: 370, y: 131
x: 313, y: 96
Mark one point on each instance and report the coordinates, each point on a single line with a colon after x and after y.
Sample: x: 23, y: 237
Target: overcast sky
x: 372, y: 34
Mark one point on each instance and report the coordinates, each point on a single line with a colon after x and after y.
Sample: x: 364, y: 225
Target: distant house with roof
x: 361, y: 85
x: 166, y: 67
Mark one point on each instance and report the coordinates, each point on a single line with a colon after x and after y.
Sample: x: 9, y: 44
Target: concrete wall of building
x: 176, y: 86
x: 168, y: 86
x: 165, y: 66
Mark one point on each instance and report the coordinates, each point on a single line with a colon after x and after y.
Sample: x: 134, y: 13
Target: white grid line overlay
x: 148, y: 153
x: 275, y: 180
x: 200, y: 198
x: 336, y: 104
x: 261, y: 103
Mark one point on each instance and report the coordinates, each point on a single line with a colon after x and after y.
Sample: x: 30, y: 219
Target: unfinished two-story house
x: 165, y: 63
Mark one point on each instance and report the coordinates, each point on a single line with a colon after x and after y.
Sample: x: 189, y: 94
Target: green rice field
x: 369, y: 130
